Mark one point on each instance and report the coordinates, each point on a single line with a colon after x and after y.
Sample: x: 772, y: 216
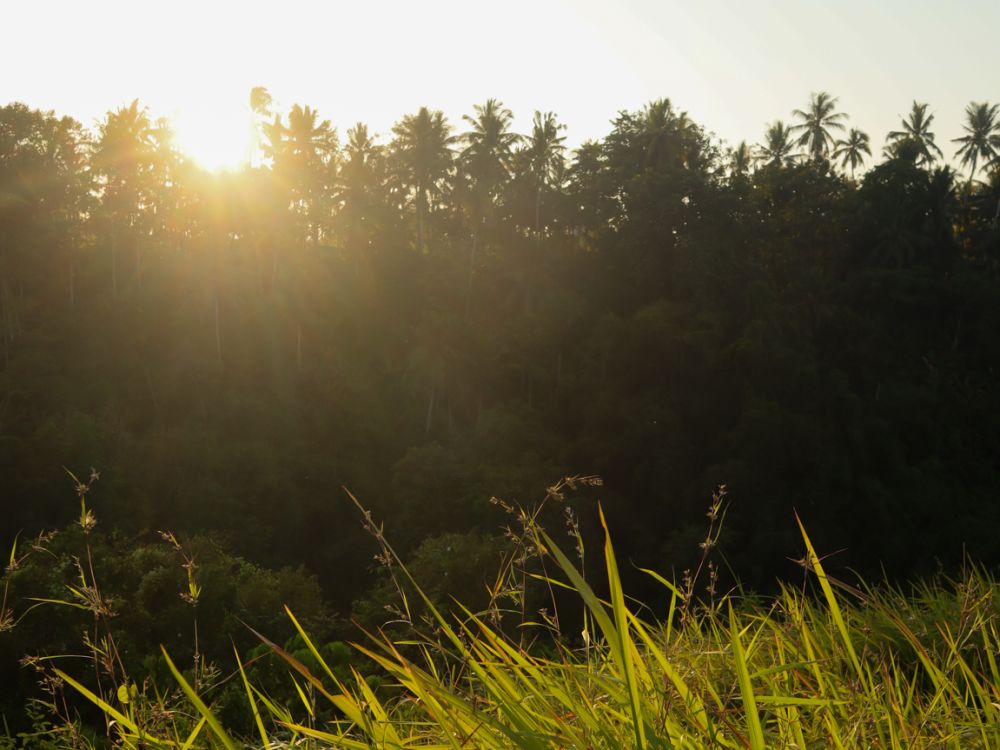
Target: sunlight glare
x: 217, y: 141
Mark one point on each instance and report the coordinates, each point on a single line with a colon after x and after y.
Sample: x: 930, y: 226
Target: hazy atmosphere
x: 733, y: 65
x: 533, y: 376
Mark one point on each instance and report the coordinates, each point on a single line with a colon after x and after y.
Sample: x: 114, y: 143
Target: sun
x: 216, y: 141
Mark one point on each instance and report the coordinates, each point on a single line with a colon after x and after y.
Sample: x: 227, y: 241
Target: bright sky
x: 734, y: 65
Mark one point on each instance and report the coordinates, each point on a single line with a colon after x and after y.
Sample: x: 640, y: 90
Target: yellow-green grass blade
x: 312, y: 648
x: 746, y: 687
x: 102, y: 704
x: 695, y: 707
x: 189, y: 742
x: 196, y: 701
x: 251, y: 700
x: 302, y: 696
x: 624, y: 642
x: 335, y: 740
x: 831, y: 600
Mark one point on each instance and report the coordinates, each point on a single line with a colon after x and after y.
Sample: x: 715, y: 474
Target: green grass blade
x: 746, y: 687
x: 199, y: 704
x: 253, y: 703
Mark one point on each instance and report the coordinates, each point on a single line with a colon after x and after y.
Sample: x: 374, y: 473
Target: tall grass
x: 822, y: 665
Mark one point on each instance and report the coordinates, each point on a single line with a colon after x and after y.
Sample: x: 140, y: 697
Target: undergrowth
x: 821, y: 664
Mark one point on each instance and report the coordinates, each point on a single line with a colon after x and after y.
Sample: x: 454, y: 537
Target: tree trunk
x: 218, y: 331
x: 5, y: 329
x: 538, y: 216
x: 472, y: 270
x: 420, y: 223
x: 430, y: 413
x: 298, y: 348
x: 138, y: 266
x: 72, y: 285
x: 114, y: 269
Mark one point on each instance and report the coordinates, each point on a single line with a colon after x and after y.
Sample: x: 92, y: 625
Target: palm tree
x: 916, y: 128
x: 982, y: 139
x: 357, y: 175
x: 309, y: 147
x: 423, y: 150
x: 487, y: 158
x: 260, y: 111
x: 544, y: 152
x: 489, y: 146
x: 123, y: 158
x: 274, y: 139
x: 739, y: 160
x: 851, y: 150
x: 260, y: 101
x: 777, y: 148
x: 658, y: 131
x: 360, y: 178
x: 817, y: 122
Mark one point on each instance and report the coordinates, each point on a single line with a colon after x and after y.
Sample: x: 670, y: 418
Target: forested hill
x: 456, y: 312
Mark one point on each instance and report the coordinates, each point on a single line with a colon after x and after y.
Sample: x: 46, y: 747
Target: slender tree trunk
x: 538, y: 216
x: 152, y: 397
x: 5, y: 327
x: 420, y: 223
x: 430, y: 412
x: 472, y: 270
x: 114, y: 268
x: 138, y: 265
x: 72, y: 285
x: 18, y: 320
x: 218, y: 330
x: 298, y: 348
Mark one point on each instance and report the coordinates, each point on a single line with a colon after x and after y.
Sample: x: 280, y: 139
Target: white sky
x: 733, y: 65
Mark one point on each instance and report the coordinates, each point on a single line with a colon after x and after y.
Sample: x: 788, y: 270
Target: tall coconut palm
x: 123, y: 159
x: 361, y: 177
x: 816, y: 123
x: 489, y: 146
x: 358, y: 173
x: 982, y: 138
x: 487, y: 162
x: 545, y: 154
x: 659, y: 131
x: 739, y: 160
x: 309, y: 146
x: 916, y: 128
x: 422, y: 148
x: 777, y: 147
x: 273, y: 143
x: 260, y: 112
x: 852, y: 150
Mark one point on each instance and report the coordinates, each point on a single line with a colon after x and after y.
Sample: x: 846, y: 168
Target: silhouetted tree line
x: 464, y: 311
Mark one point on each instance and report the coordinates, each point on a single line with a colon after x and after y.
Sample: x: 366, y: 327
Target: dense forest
x: 459, y: 312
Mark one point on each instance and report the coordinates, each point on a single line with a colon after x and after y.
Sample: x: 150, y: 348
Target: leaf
x: 192, y: 696
x: 831, y: 601
x: 746, y: 687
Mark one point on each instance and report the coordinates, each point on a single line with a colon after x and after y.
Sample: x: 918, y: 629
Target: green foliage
x: 838, y: 667
x: 230, y: 351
